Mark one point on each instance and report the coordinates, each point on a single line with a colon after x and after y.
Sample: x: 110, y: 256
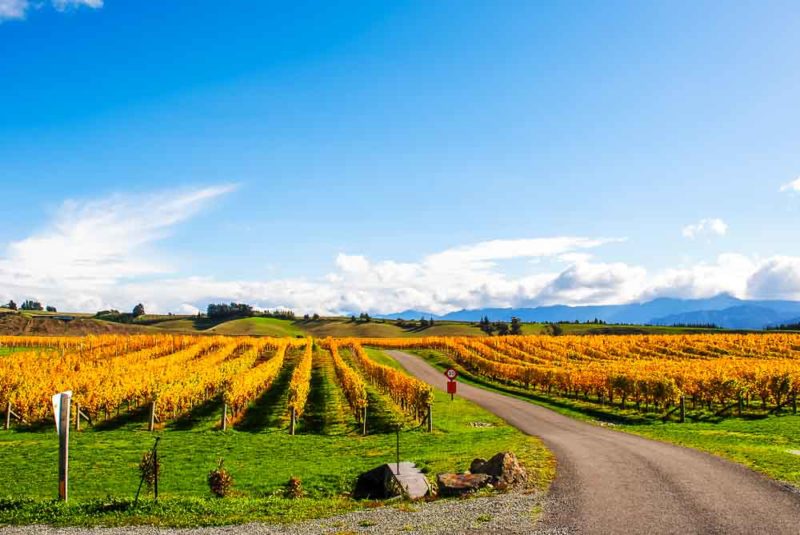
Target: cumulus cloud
x: 705, y: 227
x: 794, y: 186
x: 18, y: 9
x: 776, y: 278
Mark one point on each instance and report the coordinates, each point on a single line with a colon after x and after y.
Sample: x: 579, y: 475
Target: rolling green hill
x: 258, y: 327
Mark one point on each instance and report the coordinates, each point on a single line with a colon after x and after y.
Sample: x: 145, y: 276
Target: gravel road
x: 613, y: 482
x: 509, y: 513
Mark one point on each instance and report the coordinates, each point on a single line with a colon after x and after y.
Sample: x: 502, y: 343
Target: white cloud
x: 103, y: 254
x: 13, y: 9
x: 62, y: 5
x: 91, y: 247
x: 18, y: 9
x: 705, y: 227
x: 776, y: 278
x: 794, y: 186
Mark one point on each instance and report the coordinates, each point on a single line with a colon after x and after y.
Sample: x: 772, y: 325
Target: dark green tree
x: 516, y: 326
x: 138, y: 310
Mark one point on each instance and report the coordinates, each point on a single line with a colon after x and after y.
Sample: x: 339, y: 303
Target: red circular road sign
x: 451, y: 374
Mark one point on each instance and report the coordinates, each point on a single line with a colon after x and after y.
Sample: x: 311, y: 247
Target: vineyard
x: 170, y: 376
x: 173, y: 374
x: 715, y: 371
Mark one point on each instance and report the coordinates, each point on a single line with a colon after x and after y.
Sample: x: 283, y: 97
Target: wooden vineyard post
x: 683, y: 409
x: 155, y: 472
x: 430, y: 419
x: 63, y: 447
x: 8, y: 416
x: 398, y: 450
x: 224, y: 422
x: 740, y: 405
x: 152, y: 424
x: 292, y: 421
x: 77, y: 417
x: 364, y: 421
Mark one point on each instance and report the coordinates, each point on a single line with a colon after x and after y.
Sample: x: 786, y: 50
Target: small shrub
x: 294, y: 488
x: 220, y: 480
x: 149, y: 468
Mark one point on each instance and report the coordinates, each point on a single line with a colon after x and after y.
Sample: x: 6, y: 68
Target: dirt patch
x: 16, y: 324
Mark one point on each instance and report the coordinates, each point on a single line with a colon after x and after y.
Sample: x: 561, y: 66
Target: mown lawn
x: 104, y: 474
x: 767, y: 444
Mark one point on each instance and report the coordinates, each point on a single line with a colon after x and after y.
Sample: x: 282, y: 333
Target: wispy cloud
x: 705, y: 227
x: 18, y: 9
x: 91, y: 246
x: 794, y: 185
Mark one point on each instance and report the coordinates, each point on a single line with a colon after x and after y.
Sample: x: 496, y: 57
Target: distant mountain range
x: 723, y: 310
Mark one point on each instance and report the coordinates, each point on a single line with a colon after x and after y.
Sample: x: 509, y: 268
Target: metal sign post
x: 451, y: 375
x: 61, y: 406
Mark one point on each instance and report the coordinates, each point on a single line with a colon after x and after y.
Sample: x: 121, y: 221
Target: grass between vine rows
x: 327, y: 454
x: 767, y: 444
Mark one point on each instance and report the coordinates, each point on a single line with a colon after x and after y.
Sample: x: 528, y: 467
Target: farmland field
x: 729, y: 383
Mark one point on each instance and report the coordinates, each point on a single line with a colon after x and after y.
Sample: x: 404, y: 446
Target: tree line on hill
x: 794, y: 326
x: 29, y: 304
x: 502, y: 328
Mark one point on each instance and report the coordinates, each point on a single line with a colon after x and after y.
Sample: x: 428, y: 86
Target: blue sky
x: 338, y: 157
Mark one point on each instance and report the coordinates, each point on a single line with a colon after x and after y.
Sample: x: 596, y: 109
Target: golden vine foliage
x: 351, y: 382
x: 300, y: 383
x: 410, y: 394
x: 110, y: 372
x: 649, y: 369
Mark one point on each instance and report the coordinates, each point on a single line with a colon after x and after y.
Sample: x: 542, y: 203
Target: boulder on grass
x: 461, y: 484
x: 386, y: 482
x: 475, y: 467
x: 504, y: 470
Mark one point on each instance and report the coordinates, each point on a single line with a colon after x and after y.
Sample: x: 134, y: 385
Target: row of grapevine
x: 410, y: 394
x: 355, y: 391
x: 300, y: 383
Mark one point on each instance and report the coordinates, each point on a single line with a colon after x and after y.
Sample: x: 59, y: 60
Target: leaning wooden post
x: 740, y: 407
x: 292, y: 420
x: 8, y: 415
x: 683, y: 409
x: 152, y: 425
x: 77, y: 417
x: 430, y: 419
x: 63, y: 447
x: 224, y: 423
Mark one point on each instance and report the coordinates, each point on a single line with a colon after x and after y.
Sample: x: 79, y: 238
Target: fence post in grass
x: 292, y: 421
x: 8, y: 416
x: 683, y: 409
x: 430, y: 419
x: 77, y: 417
x: 224, y: 422
x: 364, y: 421
x: 398, y: 450
x: 740, y: 407
x: 155, y: 472
x: 63, y: 447
x: 794, y: 402
x: 152, y: 424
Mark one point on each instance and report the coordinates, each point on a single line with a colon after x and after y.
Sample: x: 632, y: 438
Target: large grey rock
x: 504, y: 469
x: 460, y: 484
x: 386, y: 482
